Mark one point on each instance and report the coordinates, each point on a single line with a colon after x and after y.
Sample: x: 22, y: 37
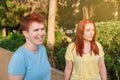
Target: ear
x: 25, y: 33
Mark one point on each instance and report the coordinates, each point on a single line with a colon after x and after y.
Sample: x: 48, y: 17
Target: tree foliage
x: 70, y: 12
x: 11, y: 11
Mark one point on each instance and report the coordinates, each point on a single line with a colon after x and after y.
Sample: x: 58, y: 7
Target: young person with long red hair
x: 85, y: 56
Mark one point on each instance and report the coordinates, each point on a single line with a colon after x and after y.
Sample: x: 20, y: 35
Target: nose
x: 91, y: 32
x: 42, y: 32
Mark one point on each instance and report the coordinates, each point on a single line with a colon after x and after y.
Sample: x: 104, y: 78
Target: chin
x: 89, y: 40
x: 40, y: 43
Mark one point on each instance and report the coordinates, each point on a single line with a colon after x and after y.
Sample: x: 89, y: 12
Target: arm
x: 102, y: 68
x: 15, y: 77
x: 68, y: 70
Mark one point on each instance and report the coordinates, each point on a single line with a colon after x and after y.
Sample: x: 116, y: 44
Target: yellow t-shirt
x: 86, y: 67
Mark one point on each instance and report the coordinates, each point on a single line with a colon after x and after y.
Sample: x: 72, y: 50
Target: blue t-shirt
x: 33, y: 65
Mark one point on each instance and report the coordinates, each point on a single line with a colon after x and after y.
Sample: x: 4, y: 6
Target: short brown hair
x: 29, y: 19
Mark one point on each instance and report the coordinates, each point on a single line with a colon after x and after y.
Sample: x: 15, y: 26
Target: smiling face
x: 89, y: 32
x: 35, y: 34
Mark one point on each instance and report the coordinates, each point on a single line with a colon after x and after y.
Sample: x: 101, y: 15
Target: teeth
x: 39, y: 36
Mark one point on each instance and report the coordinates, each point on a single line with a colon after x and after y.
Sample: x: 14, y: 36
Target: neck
x: 31, y: 46
x: 86, y: 42
x: 87, y: 48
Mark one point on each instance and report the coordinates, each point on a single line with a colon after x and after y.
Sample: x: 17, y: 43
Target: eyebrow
x: 42, y: 28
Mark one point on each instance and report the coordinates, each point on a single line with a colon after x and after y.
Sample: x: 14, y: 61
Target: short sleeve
x: 101, y: 52
x: 68, y: 54
x: 16, y: 64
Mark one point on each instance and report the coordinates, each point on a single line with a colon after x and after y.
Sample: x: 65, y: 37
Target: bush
x: 108, y: 34
x: 12, y: 41
x: 57, y: 58
x: 60, y: 53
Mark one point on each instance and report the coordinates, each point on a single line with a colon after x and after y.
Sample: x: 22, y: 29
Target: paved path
x: 57, y: 75
x: 4, y: 59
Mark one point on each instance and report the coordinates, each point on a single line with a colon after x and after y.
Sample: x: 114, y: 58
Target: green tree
x: 68, y: 15
x: 11, y: 13
x: 13, y: 10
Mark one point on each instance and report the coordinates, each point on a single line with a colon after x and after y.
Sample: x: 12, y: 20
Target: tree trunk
x: 4, y: 33
x: 51, y: 28
x: 116, y: 10
x: 85, y: 12
x: 91, y: 12
x: 119, y: 11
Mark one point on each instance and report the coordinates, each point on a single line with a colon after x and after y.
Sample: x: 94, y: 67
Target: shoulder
x: 41, y: 47
x: 101, y: 52
x: 98, y: 44
x: 68, y: 54
x: 18, y: 52
x: 17, y: 57
x: 17, y: 62
x: 72, y: 44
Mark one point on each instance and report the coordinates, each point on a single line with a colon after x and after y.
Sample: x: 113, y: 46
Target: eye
x: 87, y: 30
x: 42, y: 29
x: 36, y: 30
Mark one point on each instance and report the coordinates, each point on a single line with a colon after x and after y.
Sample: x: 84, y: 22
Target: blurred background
x: 61, y: 18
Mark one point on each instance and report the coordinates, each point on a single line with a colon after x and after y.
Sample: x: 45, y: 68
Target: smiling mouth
x: 37, y: 37
x: 41, y: 39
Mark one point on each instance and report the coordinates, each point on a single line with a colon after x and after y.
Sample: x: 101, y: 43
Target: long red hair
x: 79, y: 41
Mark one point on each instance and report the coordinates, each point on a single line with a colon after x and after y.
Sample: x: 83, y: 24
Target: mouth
x: 40, y: 38
x: 90, y: 36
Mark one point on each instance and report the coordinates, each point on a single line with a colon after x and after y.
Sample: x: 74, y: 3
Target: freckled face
x: 89, y: 32
x: 36, y: 33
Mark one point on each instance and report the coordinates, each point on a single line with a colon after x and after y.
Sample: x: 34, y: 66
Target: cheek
x: 44, y: 33
x: 85, y: 34
x: 32, y: 35
x: 36, y: 36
